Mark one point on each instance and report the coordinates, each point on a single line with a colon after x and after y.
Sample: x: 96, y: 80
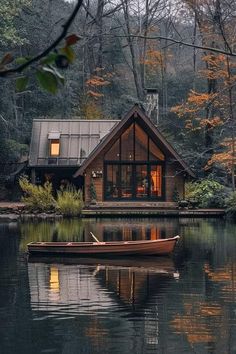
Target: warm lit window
x: 54, y: 147
x: 134, y: 167
x: 54, y: 143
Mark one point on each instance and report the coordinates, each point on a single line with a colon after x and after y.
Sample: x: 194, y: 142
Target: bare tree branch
x: 180, y: 42
x: 66, y: 26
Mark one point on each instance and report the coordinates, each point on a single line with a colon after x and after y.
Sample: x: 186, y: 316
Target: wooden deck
x: 11, y: 205
x: 147, y: 209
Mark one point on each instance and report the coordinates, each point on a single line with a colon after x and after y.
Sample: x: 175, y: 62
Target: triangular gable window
x: 127, y: 144
x: 141, y: 144
x: 154, y: 152
x: 134, y: 145
x: 114, y: 152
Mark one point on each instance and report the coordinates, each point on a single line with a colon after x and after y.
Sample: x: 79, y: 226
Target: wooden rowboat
x: 117, y: 248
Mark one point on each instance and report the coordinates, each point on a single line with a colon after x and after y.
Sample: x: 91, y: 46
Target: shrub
x: 208, y: 193
x: 37, y: 198
x: 69, y: 201
x: 231, y: 205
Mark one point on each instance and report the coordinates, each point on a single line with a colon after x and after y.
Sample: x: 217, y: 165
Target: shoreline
x: 15, y: 211
x: 9, y: 217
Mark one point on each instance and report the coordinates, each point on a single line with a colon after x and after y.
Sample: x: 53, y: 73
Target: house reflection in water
x: 139, y: 229
x: 95, y: 292
x: 104, y: 229
x: 67, y: 290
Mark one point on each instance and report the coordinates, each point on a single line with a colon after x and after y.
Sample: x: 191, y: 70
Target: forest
x: 110, y: 54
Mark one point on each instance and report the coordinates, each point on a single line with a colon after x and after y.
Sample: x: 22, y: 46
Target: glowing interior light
x: 55, y: 148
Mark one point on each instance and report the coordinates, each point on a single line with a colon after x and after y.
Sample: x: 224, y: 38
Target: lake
x: 180, y: 304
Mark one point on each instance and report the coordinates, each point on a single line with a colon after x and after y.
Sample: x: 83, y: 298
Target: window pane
x: 127, y: 144
x: 126, y: 181
x: 111, y: 188
x: 141, y: 178
x: 141, y: 144
x: 54, y: 148
x: 154, y: 152
x: 156, y: 181
x: 114, y: 152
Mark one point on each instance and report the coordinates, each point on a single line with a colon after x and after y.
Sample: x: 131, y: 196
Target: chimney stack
x: 152, y: 104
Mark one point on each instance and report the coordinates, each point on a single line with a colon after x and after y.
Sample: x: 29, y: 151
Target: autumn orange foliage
x: 96, y: 82
x: 154, y: 59
x: 227, y: 157
x: 192, y: 109
x: 197, y: 104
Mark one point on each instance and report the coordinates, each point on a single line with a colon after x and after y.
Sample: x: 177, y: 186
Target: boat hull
x: 121, y: 248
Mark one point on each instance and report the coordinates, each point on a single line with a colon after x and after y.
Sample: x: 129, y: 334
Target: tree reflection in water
x: 145, y: 311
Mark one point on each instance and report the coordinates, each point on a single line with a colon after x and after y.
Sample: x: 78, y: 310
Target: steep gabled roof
x: 140, y: 116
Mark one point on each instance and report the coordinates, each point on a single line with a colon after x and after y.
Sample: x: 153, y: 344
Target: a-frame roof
x: 138, y: 114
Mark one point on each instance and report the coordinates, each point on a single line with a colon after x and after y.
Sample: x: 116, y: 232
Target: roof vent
x: 54, y: 135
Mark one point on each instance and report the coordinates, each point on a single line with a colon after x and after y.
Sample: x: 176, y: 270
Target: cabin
x: 112, y: 160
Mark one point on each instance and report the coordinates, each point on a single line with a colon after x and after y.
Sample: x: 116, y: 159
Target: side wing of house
x: 59, y: 147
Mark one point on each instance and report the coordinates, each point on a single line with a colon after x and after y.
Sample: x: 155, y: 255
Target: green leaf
x: 69, y: 53
x: 47, y: 80
x: 22, y: 60
x: 55, y: 72
x: 48, y: 69
x: 72, y: 39
x: 21, y: 83
x: 59, y: 76
x: 50, y: 59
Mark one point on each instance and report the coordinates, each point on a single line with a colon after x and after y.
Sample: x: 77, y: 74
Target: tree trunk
x: 136, y: 73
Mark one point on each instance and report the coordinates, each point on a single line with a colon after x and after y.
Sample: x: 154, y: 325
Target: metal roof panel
x: 78, y: 138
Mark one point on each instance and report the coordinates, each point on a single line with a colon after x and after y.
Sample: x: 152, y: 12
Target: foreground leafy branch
x: 8, y: 58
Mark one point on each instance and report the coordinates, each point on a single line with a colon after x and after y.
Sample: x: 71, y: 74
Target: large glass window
x: 154, y: 152
x: 127, y: 144
x: 114, y: 152
x: 134, y: 167
x: 112, y: 178
x: 141, y: 144
x: 156, y: 181
x: 133, y: 181
x: 126, y: 182
x: 141, y: 181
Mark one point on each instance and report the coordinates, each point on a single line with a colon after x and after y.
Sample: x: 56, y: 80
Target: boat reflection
x: 71, y: 286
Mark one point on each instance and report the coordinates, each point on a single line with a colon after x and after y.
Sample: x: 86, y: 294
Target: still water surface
x: 183, y: 304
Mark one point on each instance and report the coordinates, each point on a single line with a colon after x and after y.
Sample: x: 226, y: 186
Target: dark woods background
x: 116, y: 61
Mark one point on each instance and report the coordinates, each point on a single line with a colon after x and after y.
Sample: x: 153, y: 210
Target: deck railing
x: 59, y: 161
